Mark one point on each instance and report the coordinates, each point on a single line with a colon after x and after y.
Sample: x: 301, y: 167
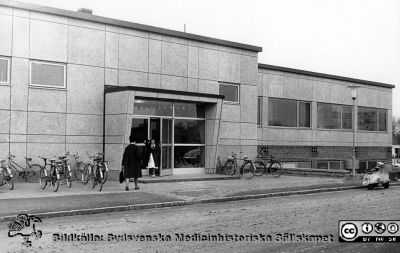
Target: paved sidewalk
x: 80, y: 199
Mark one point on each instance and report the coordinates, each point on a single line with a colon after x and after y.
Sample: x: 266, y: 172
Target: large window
x: 289, y: 113
x: 189, y: 157
x: 371, y: 119
x: 4, y: 70
x: 189, y: 135
x: 47, y: 74
x: 332, y: 116
x: 189, y: 131
x: 230, y: 91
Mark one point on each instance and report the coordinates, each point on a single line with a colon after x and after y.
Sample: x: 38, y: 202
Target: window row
x: 45, y: 74
x: 293, y: 113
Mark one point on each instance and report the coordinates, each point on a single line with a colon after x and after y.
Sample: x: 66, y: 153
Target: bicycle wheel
x: 32, y: 174
x: 55, y: 183
x: 79, y: 170
x: 87, y: 171
x: 94, y: 181
x: 43, y: 179
x: 55, y: 180
x: 8, y: 180
x: 105, y: 172
x: 230, y: 168
x: 218, y: 167
x: 68, y: 175
x: 276, y: 169
x: 21, y: 176
x: 247, y: 170
x: 68, y: 181
x: 100, y: 182
x: 10, y: 183
x: 2, y: 180
x: 98, y: 179
x: 260, y: 168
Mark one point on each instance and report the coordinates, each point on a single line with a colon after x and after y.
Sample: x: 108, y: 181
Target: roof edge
x: 126, y: 24
x: 322, y: 75
x: 113, y: 88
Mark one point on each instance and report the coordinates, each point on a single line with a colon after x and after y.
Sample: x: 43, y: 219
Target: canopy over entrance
x: 173, y: 128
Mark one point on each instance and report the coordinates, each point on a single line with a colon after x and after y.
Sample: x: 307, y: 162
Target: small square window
x: 230, y: 91
x: 4, y: 70
x: 47, y: 74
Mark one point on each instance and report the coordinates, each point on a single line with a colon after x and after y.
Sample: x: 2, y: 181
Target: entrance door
x: 159, y: 129
x: 166, y: 147
x: 140, y: 129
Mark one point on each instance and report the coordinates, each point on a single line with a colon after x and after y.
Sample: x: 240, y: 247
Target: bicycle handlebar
x: 95, y: 154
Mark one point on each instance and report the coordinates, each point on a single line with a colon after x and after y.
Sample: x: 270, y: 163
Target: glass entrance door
x: 159, y: 129
x: 179, y: 128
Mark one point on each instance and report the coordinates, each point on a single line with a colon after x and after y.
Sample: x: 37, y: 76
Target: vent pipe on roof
x: 85, y: 10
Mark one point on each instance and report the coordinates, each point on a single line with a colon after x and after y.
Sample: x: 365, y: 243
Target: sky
x: 351, y: 38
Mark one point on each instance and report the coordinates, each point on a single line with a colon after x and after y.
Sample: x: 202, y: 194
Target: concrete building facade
x: 79, y: 82
x: 326, y: 142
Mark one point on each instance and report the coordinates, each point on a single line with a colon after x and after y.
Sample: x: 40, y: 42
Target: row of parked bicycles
x: 249, y: 168
x: 56, y: 170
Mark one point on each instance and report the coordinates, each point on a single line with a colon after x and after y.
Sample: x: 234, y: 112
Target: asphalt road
x: 316, y: 214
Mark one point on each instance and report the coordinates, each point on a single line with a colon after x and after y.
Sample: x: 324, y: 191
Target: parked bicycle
x: 6, y: 176
x: 223, y: 169
x: 30, y: 173
x: 65, y: 173
x: 96, y: 171
x: 78, y: 167
x: 231, y: 166
x: 274, y: 166
x: 58, y: 172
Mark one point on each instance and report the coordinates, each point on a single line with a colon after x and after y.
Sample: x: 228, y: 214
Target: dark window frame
x: 230, y: 84
x: 297, y: 112
x: 64, y: 65
x: 259, y: 111
x: 378, y: 114
x: 8, y: 70
x: 342, y: 106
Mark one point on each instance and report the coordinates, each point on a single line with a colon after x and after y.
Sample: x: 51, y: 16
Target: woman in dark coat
x: 132, y: 163
x: 152, y: 156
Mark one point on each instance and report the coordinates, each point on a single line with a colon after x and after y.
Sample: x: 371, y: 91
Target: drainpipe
x: 104, y: 124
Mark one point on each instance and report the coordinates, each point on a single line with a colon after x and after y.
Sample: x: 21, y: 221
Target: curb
x: 151, y: 181
x: 181, y: 203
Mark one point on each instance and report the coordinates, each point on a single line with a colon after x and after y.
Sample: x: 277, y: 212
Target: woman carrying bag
x: 131, y: 163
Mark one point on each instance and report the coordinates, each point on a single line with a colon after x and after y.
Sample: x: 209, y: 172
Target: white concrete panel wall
x: 279, y: 84
x: 49, y: 121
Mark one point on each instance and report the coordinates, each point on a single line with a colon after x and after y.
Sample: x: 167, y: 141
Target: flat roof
x: 126, y: 24
x: 322, y: 75
x: 112, y: 89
